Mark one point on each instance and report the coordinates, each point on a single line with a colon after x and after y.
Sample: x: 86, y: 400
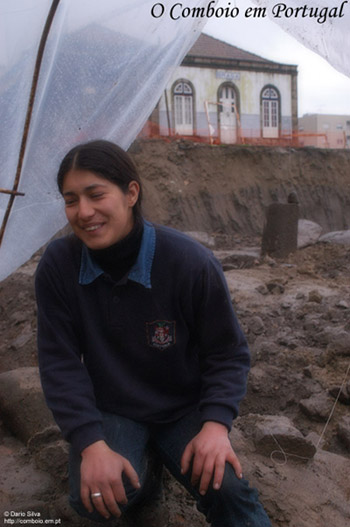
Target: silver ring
x: 96, y: 495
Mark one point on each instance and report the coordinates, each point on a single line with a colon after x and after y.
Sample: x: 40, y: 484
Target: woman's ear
x: 133, y: 192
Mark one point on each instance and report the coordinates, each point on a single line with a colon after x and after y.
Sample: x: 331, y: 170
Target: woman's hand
x: 101, y: 472
x: 210, y: 449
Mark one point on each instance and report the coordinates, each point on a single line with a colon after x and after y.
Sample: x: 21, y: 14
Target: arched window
x: 228, y: 113
x: 270, y: 112
x: 183, y: 107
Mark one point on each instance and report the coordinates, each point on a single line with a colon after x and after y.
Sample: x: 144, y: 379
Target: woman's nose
x: 86, y: 209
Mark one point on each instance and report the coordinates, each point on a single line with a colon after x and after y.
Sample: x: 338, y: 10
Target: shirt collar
x: 140, y: 271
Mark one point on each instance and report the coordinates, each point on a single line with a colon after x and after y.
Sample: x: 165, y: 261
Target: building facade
x: 324, y: 130
x: 228, y: 95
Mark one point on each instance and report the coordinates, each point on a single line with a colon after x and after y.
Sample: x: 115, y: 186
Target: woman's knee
x: 234, y: 504
x: 150, y: 474
x: 134, y: 496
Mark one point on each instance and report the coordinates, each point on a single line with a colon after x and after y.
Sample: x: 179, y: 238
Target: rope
x: 285, y: 454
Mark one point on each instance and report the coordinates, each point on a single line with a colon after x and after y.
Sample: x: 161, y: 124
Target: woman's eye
x: 97, y: 196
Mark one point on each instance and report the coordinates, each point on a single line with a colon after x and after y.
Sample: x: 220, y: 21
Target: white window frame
x: 227, y: 113
x: 270, y: 112
x: 183, y: 108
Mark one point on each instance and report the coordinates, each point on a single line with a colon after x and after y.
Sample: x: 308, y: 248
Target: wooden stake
x: 13, y: 193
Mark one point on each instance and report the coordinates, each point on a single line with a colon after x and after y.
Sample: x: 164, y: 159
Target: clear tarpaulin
x: 105, y: 65
x: 104, y: 68
x: 322, y: 26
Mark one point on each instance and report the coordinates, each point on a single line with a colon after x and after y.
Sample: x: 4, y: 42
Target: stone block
x: 308, y: 233
x: 276, y: 436
x: 337, y: 237
x: 280, y: 235
x: 22, y: 403
x: 344, y: 431
x: 317, y: 407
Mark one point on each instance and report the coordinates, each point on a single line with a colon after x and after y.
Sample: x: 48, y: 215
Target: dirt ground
x: 294, y: 311
x: 225, y: 189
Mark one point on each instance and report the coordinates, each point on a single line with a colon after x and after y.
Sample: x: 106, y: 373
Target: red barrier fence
x: 152, y: 130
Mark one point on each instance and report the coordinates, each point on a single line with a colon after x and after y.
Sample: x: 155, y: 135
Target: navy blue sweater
x: 151, y: 347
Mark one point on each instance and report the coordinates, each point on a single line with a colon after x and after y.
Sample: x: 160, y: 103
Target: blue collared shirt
x: 140, y: 271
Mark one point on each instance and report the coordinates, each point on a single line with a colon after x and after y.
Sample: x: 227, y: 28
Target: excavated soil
x: 225, y: 189
x: 294, y: 311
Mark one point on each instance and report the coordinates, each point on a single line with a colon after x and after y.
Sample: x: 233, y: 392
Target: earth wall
x: 226, y: 189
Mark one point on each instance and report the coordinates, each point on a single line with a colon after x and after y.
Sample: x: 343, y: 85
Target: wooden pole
x: 4, y: 191
x: 167, y: 112
x: 13, y: 193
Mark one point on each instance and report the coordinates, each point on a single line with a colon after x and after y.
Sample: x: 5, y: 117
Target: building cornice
x: 242, y: 65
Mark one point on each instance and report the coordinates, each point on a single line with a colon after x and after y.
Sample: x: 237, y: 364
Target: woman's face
x: 98, y: 211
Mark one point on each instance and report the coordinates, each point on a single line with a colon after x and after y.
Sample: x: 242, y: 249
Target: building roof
x: 206, y: 46
x: 209, y: 51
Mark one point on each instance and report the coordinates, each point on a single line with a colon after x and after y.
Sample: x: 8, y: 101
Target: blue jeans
x: 234, y: 505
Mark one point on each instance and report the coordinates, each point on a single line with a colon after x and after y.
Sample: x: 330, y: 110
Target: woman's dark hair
x: 106, y: 160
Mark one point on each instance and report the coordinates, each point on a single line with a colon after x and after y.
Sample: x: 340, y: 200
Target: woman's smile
x: 99, y: 212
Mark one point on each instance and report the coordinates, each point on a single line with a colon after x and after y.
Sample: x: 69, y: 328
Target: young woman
x: 139, y: 350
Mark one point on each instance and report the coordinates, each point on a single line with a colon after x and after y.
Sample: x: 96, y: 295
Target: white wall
x: 249, y: 85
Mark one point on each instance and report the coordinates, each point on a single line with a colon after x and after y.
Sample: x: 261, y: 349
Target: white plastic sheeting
x: 322, y: 26
x: 105, y: 66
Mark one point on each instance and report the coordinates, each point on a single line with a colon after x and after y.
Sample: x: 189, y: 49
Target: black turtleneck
x: 118, y: 259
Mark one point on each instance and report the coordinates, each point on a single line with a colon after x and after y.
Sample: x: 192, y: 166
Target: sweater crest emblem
x: 161, y: 334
